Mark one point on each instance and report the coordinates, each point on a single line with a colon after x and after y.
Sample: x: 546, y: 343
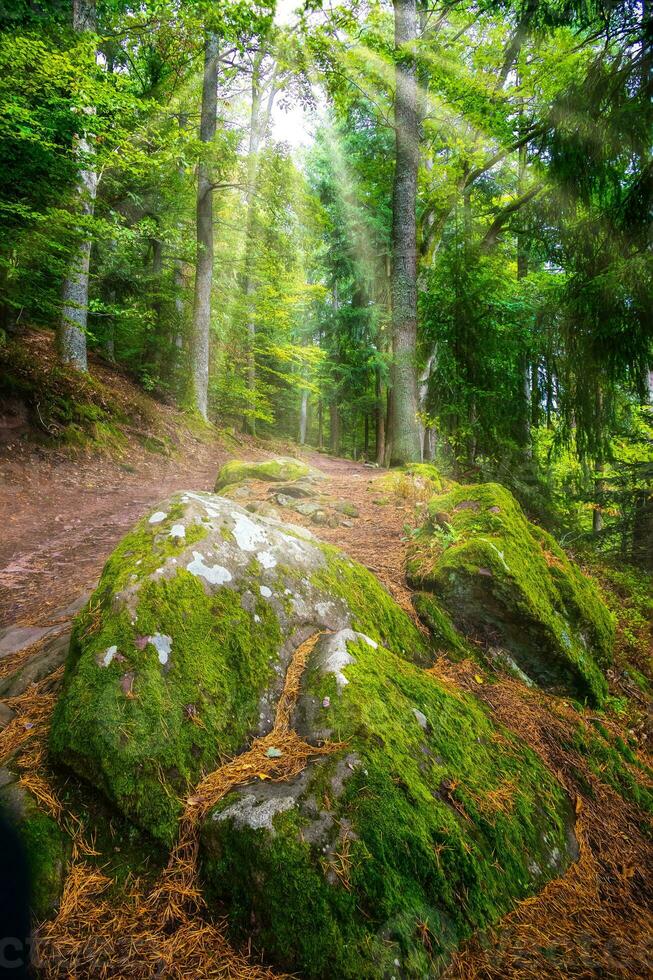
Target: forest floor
x: 64, y: 510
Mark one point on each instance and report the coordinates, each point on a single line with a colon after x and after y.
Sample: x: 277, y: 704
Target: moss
x: 445, y: 635
x: 416, y: 482
x: 432, y: 832
x: 508, y: 581
x: 271, y: 470
x: 144, y: 733
x: 612, y: 761
x: 374, y: 611
x: 47, y: 849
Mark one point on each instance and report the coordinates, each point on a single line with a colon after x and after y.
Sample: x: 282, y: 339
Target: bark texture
x: 199, y: 347
x: 404, y: 432
x: 71, y: 330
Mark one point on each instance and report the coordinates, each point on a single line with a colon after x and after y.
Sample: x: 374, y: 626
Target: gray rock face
x: 198, y: 613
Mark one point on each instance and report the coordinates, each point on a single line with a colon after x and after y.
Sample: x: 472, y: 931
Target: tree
x: 71, y: 333
x: 200, y: 334
x: 404, y: 435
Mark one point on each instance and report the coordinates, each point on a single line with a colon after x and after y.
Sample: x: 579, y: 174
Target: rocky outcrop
x: 507, y: 583
x: 181, y: 652
x: 377, y: 861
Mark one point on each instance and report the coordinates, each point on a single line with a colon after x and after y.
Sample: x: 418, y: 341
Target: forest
x: 326, y: 468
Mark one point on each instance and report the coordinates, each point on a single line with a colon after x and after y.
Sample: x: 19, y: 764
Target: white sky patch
x: 267, y: 559
x: 214, y: 574
x: 163, y: 645
x: 248, y: 535
x: 157, y: 517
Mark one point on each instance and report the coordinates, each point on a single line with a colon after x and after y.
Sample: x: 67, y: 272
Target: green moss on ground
x: 47, y: 848
x: 270, y: 470
x: 415, y: 482
x: 510, y: 583
x: 429, y: 826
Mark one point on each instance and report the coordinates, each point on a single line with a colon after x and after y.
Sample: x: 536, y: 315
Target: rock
x: 17, y: 638
x: 414, y: 482
x: 306, y: 508
x: 429, y: 814
x: 6, y: 715
x: 48, y: 848
x: 508, y: 583
x: 263, y: 508
x: 284, y: 500
x: 221, y: 609
x: 270, y: 470
x: 300, y: 489
x: 43, y: 662
x: 320, y: 517
x: 347, y: 508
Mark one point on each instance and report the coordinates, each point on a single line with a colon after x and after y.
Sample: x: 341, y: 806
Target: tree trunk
x: 303, y: 417
x: 320, y: 425
x: 599, y: 490
x: 179, y: 273
x: 404, y: 434
x: 380, y: 420
x: 334, y: 445
x: 199, y: 347
x: 71, y: 330
x: 259, y: 121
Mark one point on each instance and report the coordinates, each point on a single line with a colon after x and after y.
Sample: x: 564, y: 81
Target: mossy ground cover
x: 143, y: 733
x: 440, y: 823
x: 271, y: 470
x: 509, y: 582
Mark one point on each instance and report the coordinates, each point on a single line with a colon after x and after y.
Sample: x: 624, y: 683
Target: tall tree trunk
x: 334, y: 444
x: 380, y: 410
x: 599, y: 490
x: 404, y: 434
x: 71, y: 330
x: 320, y: 424
x: 199, y: 346
x: 179, y: 271
x: 522, y: 272
x: 303, y: 417
x: 259, y: 121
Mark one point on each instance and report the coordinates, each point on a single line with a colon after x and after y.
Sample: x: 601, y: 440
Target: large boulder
x: 282, y: 470
x: 378, y: 860
x: 180, y: 655
x: 508, y: 583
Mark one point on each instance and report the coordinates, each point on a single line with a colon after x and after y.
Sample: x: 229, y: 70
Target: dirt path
x: 62, y: 517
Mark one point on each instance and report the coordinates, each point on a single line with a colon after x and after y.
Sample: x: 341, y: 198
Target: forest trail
x: 63, y: 517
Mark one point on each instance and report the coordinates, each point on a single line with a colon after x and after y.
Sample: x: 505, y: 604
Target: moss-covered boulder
x: 415, y: 483
x: 47, y: 847
x: 270, y: 470
x: 180, y: 655
x: 508, y: 583
x: 378, y: 860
